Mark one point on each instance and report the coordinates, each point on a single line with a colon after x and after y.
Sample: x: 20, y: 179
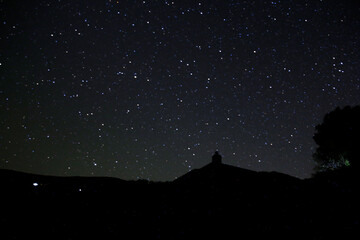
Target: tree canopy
x: 338, y: 139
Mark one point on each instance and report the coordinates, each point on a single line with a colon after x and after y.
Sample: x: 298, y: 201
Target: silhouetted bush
x: 338, y: 139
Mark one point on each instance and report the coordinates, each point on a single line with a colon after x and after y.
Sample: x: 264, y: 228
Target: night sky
x: 150, y: 89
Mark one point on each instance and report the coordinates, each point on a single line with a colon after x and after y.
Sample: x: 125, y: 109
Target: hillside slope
x: 217, y: 200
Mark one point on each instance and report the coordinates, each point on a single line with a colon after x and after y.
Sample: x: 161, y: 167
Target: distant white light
x: 35, y: 184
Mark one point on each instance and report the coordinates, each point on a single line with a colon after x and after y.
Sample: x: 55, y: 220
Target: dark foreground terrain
x: 217, y: 201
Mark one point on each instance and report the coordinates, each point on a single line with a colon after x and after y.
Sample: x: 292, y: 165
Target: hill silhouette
x: 213, y: 173
x: 217, y: 200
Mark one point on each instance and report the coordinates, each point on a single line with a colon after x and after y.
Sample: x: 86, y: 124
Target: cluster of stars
x: 149, y: 89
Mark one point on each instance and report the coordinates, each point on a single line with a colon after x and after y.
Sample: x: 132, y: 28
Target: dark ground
x: 216, y: 201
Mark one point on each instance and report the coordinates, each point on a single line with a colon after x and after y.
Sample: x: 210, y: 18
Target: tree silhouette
x: 338, y: 139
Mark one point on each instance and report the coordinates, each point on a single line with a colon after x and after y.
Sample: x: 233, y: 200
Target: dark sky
x: 150, y: 89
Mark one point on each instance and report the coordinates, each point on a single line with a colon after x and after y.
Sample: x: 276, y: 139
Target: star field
x: 150, y: 89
